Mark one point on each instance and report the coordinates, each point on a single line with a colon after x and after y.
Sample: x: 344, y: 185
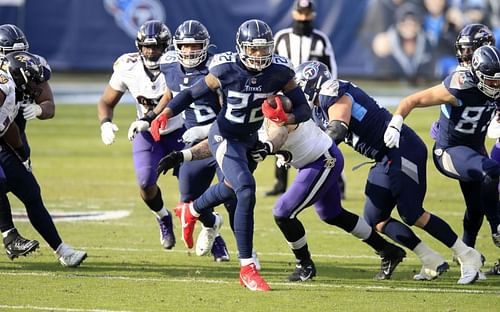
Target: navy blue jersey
x: 244, y: 91
x: 368, y: 119
x: 205, y: 109
x: 467, y: 123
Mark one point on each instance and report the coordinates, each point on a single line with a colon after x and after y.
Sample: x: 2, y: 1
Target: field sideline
x: 128, y: 271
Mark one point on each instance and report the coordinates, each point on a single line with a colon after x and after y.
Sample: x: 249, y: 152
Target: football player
x: 470, y: 98
x: 183, y: 68
x: 319, y: 162
x: 398, y: 177
x: 139, y: 73
x: 245, y: 79
x: 36, y: 101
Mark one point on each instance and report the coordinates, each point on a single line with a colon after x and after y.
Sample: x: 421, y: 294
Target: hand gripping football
x: 276, y: 107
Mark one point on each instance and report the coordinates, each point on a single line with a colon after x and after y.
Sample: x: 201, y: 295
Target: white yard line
x: 31, y: 307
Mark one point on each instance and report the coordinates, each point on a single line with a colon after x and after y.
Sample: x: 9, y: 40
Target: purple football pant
x: 315, y: 183
x: 147, y: 154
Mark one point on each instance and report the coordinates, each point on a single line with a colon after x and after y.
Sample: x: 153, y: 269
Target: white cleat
x: 207, y: 237
x: 433, y: 266
x: 470, y: 264
x: 69, y: 257
x: 496, y: 237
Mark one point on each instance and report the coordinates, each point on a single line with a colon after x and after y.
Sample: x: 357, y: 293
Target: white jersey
x: 9, y: 108
x: 129, y: 74
x: 306, y: 143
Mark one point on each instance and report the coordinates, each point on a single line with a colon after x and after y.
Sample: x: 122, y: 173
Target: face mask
x: 302, y: 28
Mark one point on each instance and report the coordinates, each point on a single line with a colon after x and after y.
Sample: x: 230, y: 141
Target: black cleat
x: 495, y: 270
x: 304, y: 270
x: 391, y: 256
x: 277, y: 190
x: 16, y: 245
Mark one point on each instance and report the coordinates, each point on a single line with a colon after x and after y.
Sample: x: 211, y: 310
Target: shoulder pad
x: 167, y: 58
x: 330, y: 88
x: 221, y: 58
x: 126, y: 61
x: 461, y: 80
x: 281, y: 60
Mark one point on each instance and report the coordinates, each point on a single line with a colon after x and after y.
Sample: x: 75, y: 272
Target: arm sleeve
x: 187, y: 96
x: 301, y: 109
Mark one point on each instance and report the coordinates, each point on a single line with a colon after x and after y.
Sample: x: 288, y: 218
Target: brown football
x: 287, y: 104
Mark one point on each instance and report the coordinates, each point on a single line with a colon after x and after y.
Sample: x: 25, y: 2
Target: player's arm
x: 433, y: 96
x: 105, y: 107
x: 339, y: 116
x: 301, y: 110
x: 44, y: 107
x: 175, y: 158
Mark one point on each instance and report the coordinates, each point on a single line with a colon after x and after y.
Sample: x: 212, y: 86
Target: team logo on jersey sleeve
x: 3, y: 79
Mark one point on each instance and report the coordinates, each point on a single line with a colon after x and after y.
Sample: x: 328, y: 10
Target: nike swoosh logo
x: 388, y: 270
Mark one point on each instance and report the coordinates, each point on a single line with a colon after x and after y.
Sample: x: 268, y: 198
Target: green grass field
x: 127, y: 270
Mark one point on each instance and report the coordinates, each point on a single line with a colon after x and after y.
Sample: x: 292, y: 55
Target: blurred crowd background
x: 411, y: 40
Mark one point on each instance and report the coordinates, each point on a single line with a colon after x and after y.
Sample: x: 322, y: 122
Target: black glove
x: 170, y: 161
x: 283, y: 159
x: 261, y: 149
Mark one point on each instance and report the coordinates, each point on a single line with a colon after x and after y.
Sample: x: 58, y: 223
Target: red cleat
x: 188, y: 222
x: 178, y: 210
x: 251, y: 279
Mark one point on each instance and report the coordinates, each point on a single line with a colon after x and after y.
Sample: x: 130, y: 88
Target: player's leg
x: 25, y: 187
x: 474, y: 213
x: 466, y: 164
x: 146, y: 156
x: 281, y: 175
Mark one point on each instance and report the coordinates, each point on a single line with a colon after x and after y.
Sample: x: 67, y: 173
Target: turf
x: 127, y: 270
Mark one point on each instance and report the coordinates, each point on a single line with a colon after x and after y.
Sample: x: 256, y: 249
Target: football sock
x: 155, y: 203
x: 401, y: 233
x: 440, y: 230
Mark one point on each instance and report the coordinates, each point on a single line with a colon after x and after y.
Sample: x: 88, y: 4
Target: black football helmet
x: 12, y: 38
x: 486, y: 70
x: 26, y: 71
x: 191, y: 32
x: 310, y: 76
x: 153, y: 34
x: 255, y: 44
x: 469, y: 39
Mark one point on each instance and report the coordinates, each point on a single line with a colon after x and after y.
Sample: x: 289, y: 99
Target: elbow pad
x: 337, y: 130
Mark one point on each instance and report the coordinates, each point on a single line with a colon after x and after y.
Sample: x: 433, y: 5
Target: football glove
x: 260, y: 151
x: 31, y: 111
x: 393, y: 132
x: 283, y: 159
x: 159, y: 123
x: 108, y: 130
x: 170, y: 161
x: 278, y: 114
x: 195, y: 134
x: 136, y: 127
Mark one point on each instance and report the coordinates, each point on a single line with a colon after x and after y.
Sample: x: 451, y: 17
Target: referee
x: 301, y: 43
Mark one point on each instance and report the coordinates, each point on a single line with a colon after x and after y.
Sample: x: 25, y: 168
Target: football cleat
x: 219, y: 250
x: 495, y: 270
x: 69, y: 257
x: 496, y: 237
x: 391, y: 256
x: 251, y: 279
x: 470, y: 263
x: 167, y: 236
x: 16, y: 245
x: 188, y: 221
x: 207, y: 236
x: 433, y: 266
x: 304, y: 270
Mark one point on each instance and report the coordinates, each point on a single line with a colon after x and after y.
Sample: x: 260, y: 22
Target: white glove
x: 31, y: 111
x: 108, y: 130
x: 136, y: 127
x: 393, y: 132
x: 494, y: 129
x: 197, y: 133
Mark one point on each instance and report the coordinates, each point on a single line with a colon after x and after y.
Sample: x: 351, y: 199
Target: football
x: 285, y: 101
